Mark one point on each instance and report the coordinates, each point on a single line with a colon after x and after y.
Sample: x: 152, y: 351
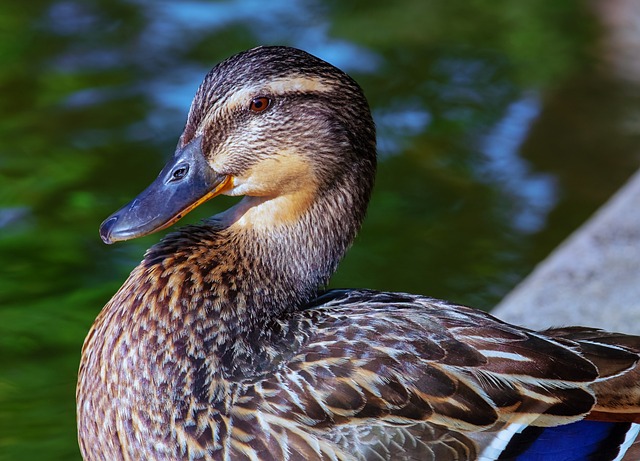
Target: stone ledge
x: 592, y: 279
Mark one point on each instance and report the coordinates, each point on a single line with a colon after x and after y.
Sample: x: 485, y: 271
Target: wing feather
x: 369, y: 375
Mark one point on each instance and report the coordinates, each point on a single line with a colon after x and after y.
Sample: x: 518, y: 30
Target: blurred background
x: 502, y: 127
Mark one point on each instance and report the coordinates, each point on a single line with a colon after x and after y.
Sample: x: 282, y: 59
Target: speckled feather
x: 222, y: 346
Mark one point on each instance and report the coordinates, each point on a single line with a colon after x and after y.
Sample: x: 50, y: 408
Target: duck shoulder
x: 406, y: 367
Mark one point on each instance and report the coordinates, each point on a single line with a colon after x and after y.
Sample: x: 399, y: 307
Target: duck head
x: 276, y: 125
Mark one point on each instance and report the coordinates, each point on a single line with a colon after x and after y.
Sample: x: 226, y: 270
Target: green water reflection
x: 498, y: 136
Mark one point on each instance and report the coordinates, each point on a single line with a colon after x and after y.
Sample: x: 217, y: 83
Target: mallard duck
x: 223, y: 345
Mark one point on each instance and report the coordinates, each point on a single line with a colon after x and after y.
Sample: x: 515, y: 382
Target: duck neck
x: 239, y: 278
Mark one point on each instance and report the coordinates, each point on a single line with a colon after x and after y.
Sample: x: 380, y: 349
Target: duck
x: 225, y: 344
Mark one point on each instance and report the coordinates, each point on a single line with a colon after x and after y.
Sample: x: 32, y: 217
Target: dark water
x: 500, y: 133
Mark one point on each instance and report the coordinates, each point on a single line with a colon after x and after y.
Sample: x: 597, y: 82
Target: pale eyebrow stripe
x: 279, y: 86
x: 298, y: 84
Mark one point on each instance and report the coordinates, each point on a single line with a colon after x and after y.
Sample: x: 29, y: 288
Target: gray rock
x: 592, y: 279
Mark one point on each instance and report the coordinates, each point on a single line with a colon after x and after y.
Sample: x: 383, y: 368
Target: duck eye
x: 179, y: 173
x: 259, y: 104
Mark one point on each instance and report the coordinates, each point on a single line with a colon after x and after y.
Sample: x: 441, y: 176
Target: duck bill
x: 185, y: 182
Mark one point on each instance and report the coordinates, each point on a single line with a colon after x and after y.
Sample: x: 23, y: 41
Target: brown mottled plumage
x: 220, y: 344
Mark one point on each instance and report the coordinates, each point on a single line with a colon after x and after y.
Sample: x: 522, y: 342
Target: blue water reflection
x: 534, y: 193
x: 303, y: 24
x: 397, y: 125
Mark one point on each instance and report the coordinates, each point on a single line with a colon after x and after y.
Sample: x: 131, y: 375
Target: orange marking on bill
x: 225, y: 185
